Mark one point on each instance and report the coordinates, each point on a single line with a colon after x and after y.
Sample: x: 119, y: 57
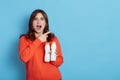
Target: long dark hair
x: 30, y: 34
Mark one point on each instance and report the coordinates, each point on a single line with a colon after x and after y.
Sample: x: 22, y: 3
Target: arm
x: 59, y: 59
x: 26, y: 49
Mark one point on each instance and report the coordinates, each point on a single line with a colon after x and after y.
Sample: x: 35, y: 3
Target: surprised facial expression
x: 39, y: 23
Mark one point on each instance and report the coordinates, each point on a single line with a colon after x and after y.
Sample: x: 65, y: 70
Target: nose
x: 38, y: 21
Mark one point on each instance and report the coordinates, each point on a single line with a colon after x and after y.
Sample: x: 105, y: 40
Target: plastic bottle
x: 47, y: 52
x: 53, y: 51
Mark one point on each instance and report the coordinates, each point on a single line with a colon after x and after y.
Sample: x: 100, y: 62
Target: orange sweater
x: 32, y: 54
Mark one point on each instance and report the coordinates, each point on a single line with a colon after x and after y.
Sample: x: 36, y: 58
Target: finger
x: 47, y: 33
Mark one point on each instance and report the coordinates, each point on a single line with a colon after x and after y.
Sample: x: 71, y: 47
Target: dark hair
x: 30, y: 34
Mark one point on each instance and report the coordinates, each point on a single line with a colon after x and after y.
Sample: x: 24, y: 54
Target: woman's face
x: 39, y: 23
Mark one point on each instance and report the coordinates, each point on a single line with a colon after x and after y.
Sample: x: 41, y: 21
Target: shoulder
x: 24, y: 38
x: 56, y: 39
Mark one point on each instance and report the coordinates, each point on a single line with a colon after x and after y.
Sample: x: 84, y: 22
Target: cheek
x: 34, y: 24
x: 44, y: 23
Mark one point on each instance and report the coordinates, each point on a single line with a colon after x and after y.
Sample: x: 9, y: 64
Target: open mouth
x: 39, y: 26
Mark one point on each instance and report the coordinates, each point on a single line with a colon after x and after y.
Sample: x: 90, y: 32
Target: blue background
x: 88, y: 30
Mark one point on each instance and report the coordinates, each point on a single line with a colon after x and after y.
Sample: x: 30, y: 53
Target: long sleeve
x: 27, y: 49
x: 59, y: 59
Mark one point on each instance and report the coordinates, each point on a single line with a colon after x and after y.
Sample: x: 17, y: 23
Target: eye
x: 35, y: 18
x: 42, y: 18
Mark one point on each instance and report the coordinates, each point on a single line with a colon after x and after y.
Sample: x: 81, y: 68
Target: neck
x: 38, y: 34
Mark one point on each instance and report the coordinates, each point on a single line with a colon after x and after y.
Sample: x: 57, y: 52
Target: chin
x: 38, y: 32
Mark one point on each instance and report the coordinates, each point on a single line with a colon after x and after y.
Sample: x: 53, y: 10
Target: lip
x: 39, y: 26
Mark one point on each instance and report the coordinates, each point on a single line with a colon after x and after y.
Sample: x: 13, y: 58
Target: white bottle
x: 53, y: 51
x: 47, y: 53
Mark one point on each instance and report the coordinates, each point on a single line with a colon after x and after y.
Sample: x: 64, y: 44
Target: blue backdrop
x: 89, y: 32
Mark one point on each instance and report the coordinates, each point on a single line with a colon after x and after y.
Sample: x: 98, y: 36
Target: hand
x: 44, y: 36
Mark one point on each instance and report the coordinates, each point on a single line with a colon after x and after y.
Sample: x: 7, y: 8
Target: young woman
x: 40, y: 49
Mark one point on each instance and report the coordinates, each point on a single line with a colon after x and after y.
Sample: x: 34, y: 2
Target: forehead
x: 39, y: 15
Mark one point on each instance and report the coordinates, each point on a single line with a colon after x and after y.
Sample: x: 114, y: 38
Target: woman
x: 40, y: 49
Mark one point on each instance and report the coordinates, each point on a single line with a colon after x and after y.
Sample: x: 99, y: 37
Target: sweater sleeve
x: 26, y: 49
x: 59, y: 59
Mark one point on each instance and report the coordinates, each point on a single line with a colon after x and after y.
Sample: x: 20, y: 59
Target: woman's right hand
x: 44, y: 36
